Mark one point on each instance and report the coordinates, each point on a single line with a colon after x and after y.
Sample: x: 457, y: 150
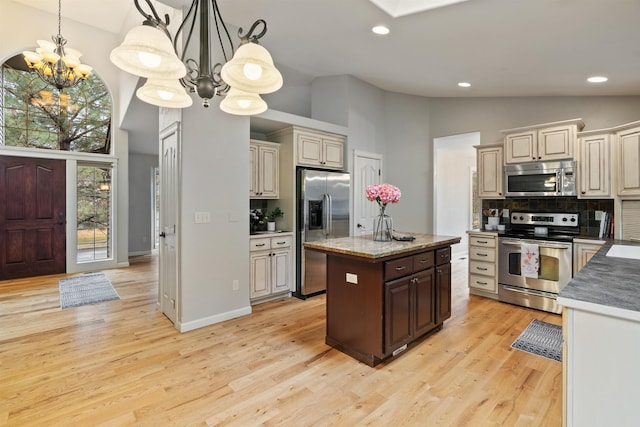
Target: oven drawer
x: 483, y: 241
x: 484, y: 268
x: 481, y: 254
x: 482, y: 282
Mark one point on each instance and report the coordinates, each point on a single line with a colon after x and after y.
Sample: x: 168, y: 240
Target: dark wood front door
x: 32, y: 217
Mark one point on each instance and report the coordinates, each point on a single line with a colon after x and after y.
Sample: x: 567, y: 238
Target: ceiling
x: 502, y: 47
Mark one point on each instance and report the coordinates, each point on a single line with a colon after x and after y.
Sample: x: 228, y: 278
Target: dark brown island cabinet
x: 383, y: 296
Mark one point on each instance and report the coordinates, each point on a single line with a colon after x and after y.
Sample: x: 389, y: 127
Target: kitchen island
x: 383, y: 296
x: 601, y: 331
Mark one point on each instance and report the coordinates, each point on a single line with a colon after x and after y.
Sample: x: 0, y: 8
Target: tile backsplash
x: 586, y: 208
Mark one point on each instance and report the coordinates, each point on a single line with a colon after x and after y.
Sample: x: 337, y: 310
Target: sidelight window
x: 94, y: 212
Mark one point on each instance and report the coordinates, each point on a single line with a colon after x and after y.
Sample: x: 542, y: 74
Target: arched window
x: 36, y: 115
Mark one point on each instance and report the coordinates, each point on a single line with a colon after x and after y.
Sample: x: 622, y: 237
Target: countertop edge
x: 397, y: 248
x: 596, y: 308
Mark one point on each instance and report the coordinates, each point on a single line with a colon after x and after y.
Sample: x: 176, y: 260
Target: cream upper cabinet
x: 312, y: 147
x: 628, y: 161
x: 264, y: 170
x: 489, y: 159
x: 521, y: 147
x: 318, y: 149
x: 550, y: 141
x: 594, y: 164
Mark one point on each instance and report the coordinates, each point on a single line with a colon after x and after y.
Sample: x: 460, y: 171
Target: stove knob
x: 521, y: 218
x: 573, y: 219
x: 564, y: 219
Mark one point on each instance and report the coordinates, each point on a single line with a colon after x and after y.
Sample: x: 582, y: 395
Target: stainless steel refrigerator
x: 323, y: 213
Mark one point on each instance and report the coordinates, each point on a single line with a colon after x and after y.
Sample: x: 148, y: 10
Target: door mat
x: 542, y: 339
x: 90, y: 288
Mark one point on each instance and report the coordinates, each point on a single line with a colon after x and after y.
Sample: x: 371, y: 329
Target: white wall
x: 140, y: 203
x: 215, y: 178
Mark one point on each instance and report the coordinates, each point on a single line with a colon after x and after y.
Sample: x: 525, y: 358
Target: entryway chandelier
x: 56, y: 65
x: 150, y: 51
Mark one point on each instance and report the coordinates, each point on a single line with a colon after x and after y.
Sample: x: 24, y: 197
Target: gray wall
x: 140, y: 202
x: 402, y: 128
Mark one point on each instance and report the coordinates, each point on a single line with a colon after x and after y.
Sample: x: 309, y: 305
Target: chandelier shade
x: 252, y: 70
x: 249, y: 73
x: 148, y: 52
x: 56, y: 64
x: 242, y: 103
x: 164, y: 93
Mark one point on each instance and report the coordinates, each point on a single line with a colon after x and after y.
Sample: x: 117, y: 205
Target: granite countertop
x: 606, y: 285
x: 366, y: 247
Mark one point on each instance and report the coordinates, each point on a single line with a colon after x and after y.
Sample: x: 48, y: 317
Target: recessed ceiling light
x: 464, y: 84
x: 597, y: 79
x: 380, y: 29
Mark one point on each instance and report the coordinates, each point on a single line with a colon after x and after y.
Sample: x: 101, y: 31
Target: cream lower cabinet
x: 583, y: 251
x: 483, y: 264
x: 271, y: 268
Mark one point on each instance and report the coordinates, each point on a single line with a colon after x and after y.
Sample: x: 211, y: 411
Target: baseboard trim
x: 137, y: 253
x: 211, y: 320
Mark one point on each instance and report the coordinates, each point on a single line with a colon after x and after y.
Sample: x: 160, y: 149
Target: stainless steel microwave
x: 540, y: 179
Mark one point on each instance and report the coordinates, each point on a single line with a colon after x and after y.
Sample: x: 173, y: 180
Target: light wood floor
x: 122, y: 363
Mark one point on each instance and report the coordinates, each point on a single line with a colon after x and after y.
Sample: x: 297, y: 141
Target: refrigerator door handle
x: 330, y: 216
x: 325, y: 214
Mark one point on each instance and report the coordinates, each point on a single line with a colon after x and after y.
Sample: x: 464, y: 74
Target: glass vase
x: 382, y: 228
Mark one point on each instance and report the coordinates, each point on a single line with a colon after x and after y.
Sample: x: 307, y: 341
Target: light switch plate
x: 352, y: 278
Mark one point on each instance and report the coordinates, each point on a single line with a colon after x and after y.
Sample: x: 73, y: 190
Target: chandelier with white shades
x: 149, y: 51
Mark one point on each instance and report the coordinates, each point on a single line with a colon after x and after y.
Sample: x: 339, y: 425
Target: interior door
x: 367, y: 171
x: 32, y: 217
x: 169, y: 203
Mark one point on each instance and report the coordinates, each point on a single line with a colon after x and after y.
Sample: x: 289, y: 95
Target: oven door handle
x: 539, y: 245
x: 529, y: 292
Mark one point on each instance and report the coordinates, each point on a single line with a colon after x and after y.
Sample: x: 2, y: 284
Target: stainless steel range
x: 535, y: 258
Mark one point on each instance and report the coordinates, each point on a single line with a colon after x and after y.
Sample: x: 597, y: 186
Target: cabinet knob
x: 583, y: 192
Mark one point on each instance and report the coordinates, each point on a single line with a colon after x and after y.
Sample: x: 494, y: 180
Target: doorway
x: 454, y: 174
x: 32, y: 217
x: 367, y: 170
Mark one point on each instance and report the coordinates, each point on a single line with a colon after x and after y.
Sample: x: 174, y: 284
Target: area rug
x: 89, y: 288
x: 542, y: 339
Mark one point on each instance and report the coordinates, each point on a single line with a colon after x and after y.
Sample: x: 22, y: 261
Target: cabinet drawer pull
x: 260, y: 244
x: 402, y: 267
x: 483, y: 241
x: 482, y: 268
x: 481, y: 283
x: 424, y: 261
x: 281, y: 243
x: 482, y: 254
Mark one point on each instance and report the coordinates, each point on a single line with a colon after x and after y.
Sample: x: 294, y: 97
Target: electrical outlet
x: 236, y: 285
